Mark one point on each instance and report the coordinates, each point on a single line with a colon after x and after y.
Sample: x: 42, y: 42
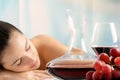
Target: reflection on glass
x: 104, y: 38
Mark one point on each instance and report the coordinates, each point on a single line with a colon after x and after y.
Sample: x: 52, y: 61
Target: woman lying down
x: 25, y: 59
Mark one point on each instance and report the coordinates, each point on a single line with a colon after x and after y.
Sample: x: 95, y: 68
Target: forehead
x: 16, y: 40
x: 16, y: 37
x: 15, y: 47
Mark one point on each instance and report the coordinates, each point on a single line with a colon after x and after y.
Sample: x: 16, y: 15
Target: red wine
x: 69, y: 73
x: 101, y: 49
x: 70, y: 70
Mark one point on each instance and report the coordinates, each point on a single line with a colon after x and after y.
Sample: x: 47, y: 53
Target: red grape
x: 104, y: 57
x: 89, y: 75
x: 114, y: 52
x: 107, y: 72
x: 117, y: 61
x: 97, y: 75
x: 98, y: 65
x: 116, y: 74
x: 107, y: 69
x: 112, y: 59
x: 107, y: 76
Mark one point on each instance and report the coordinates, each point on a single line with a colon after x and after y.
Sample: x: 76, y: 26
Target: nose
x: 29, y: 54
x: 29, y: 58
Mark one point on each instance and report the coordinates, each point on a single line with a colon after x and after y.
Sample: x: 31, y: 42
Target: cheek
x: 6, y: 67
x: 28, y: 59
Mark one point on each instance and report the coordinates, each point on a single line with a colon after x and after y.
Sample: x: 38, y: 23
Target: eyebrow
x: 26, y: 42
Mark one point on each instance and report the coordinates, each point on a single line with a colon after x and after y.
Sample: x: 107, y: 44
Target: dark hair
x: 5, y: 31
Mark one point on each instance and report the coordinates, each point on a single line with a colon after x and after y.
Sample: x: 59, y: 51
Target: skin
x: 29, y: 56
x: 29, y: 75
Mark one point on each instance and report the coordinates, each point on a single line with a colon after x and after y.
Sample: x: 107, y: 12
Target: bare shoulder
x: 40, y: 41
x: 43, y: 40
x: 41, y: 37
x: 47, y: 45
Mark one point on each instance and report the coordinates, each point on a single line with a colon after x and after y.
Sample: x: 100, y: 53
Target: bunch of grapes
x: 107, y: 67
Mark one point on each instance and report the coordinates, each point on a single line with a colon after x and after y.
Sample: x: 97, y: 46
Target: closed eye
x: 27, y: 45
x: 28, y: 48
x: 18, y: 62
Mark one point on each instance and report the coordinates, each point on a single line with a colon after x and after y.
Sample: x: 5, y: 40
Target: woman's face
x: 20, y: 54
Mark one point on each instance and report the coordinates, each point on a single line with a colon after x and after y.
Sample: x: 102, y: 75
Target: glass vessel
x: 74, y: 64
x: 104, y: 37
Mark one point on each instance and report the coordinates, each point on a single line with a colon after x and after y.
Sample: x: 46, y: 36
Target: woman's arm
x: 30, y: 75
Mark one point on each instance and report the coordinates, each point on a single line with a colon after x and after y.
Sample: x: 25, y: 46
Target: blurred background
x: 35, y: 17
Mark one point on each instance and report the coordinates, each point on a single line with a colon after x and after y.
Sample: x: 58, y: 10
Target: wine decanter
x: 73, y: 65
